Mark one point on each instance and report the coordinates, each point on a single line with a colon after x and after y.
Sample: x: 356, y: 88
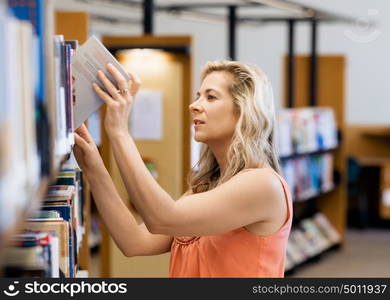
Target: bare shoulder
x: 186, y: 193
x: 261, y: 179
x: 272, y: 199
x: 266, y: 189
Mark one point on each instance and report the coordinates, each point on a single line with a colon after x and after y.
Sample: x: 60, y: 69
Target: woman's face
x: 212, y: 111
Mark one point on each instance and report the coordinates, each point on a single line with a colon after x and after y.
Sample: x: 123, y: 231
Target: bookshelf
x: 54, y: 152
x: 171, y: 153
x: 296, y: 155
x: 369, y: 145
x: 330, y: 93
x: 74, y: 25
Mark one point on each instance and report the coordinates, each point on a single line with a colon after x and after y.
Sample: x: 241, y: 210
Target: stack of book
x: 304, y: 136
x: 20, y: 94
x: 63, y: 52
x: 36, y: 113
x: 311, y: 237
x: 306, y: 130
x: 50, y: 242
x: 308, y: 176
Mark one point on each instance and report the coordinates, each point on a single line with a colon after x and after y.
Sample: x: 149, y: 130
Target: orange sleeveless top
x: 236, y: 253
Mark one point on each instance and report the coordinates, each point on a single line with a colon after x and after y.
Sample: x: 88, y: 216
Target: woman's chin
x: 198, y: 138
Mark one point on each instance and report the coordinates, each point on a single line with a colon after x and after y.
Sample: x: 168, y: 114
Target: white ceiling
x: 104, y: 13
x: 124, y: 12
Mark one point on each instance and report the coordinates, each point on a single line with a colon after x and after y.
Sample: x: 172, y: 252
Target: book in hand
x: 89, y: 58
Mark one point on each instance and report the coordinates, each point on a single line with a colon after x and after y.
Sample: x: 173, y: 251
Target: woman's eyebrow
x: 208, y: 91
x: 212, y: 90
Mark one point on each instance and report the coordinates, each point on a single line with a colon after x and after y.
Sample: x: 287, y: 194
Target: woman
x: 235, y: 218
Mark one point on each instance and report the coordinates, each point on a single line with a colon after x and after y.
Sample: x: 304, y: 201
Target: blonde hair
x: 253, y: 141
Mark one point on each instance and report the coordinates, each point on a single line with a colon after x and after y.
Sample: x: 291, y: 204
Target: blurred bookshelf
x: 44, y: 199
x: 368, y: 146
x: 320, y: 211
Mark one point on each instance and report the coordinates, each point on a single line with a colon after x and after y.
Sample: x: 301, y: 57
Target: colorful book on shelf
x: 19, y: 160
x: 284, y: 132
x: 63, y: 94
x: 66, y: 213
x: 71, y: 47
x: 309, y: 176
x: 33, y: 11
x: 312, y: 236
x: 31, y: 261
x: 61, y: 230
x: 60, y: 192
x: 295, y: 252
x: 320, y: 240
x: 306, y: 130
x: 39, y: 238
x: 327, y: 228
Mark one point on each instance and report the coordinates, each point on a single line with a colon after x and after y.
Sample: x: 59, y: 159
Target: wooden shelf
x: 74, y: 25
x: 311, y: 260
x: 313, y: 197
x: 297, y: 155
x: 34, y: 202
x: 7, y: 235
x: 376, y: 132
x: 369, y: 145
x: 330, y: 93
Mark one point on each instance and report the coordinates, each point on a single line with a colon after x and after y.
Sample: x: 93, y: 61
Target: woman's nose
x: 195, y: 106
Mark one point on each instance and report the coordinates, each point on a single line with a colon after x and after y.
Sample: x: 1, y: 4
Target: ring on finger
x: 124, y: 91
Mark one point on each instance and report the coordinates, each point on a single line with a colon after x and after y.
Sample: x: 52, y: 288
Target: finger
x: 102, y: 94
x: 110, y: 87
x: 84, y: 133
x: 80, y: 142
x: 135, y: 83
x: 120, y: 80
x: 77, y: 151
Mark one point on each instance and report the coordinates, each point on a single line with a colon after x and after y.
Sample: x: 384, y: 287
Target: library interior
x: 331, y: 134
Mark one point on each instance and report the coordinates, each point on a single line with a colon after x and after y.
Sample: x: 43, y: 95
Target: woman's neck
x: 220, y: 151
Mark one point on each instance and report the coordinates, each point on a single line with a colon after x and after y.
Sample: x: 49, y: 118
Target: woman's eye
x: 211, y: 97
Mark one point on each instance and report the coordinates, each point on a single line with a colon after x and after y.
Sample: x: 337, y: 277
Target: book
x: 305, y: 130
x: 19, y: 160
x: 309, y: 175
x: 327, y: 228
x: 61, y: 230
x: 33, y: 11
x: 37, y: 238
x: 284, y: 132
x: 320, y: 240
x: 36, y: 130
x: 33, y: 261
x: 63, y: 51
x: 310, y: 237
x: 36, y: 13
x: 89, y: 58
x: 60, y: 192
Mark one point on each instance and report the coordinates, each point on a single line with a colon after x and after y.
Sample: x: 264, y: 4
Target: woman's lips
x: 198, y: 123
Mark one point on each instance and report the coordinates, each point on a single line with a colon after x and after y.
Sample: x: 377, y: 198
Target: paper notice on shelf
x: 89, y: 58
x: 146, y: 117
x: 386, y: 197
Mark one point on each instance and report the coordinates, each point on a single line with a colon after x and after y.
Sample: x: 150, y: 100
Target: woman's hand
x: 118, y: 101
x: 86, y: 152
